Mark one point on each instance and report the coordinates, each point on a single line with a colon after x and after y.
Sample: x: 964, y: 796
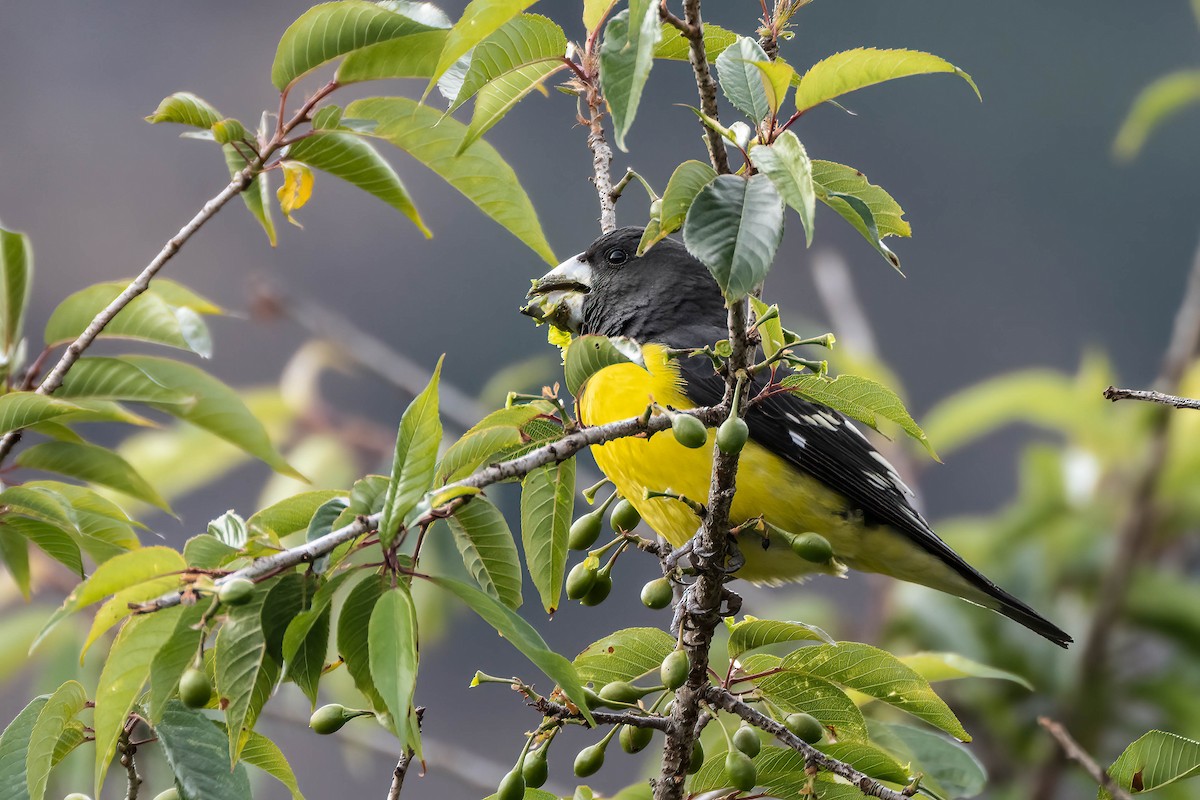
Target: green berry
x: 656, y: 208
x: 732, y: 435
x: 674, y: 669
x: 697, y: 758
x: 812, y: 547
x: 512, y: 786
x: 741, y: 771
x: 689, y: 431
x: 169, y: 794
x: 624, y: 517
x: 622, y: 692
x: 77, y: 796
x: 330, y: 718
x: 580, y: 580
x: 746, y: 739
x: 657, y: 594
x: 600, y: 589
x: 806, y: 726
x: 236, y: 592
x: 585, y: 530
x: 194, y: 689
x: 589, y: 761
x: 593, y: 700
x: 535, y: 768
x: 634, y: 740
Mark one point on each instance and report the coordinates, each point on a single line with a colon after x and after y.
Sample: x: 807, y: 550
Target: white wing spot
x: 897, y: 481
x: 854, y: 428
x: 799, y: 440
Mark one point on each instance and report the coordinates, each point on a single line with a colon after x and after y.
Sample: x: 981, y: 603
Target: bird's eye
x: 617, y: 256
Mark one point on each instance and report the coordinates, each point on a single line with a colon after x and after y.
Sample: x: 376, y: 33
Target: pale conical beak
x: 557, y: 296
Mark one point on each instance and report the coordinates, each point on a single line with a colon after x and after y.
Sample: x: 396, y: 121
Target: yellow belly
x: 767, y: 486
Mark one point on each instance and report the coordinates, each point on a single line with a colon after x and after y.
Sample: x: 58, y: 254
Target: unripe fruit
x: 77, y: 796
x: 589, y: 761
x: 741, y: 771
x: 169, y: 794
x: 732, y: 435
x: 656, y: 208
x: 697, y: 758
x: 806, y: 726
x: 624, y: 517
x: 600, y: 589
x: 194, y: 689
x: 330, y: 718
x: 236, y: 592
x: 585, y: 530
x: 657, y: 594
x: 689, y: 431
x: 634, y: 740
x: 674, y: 669
x: 622, y: 692
x: 535, y: 769
x: 746, y: 739
x: 580, y: 580
x: 812, y: 547
x: 512, y: 786
x: 592, y: 699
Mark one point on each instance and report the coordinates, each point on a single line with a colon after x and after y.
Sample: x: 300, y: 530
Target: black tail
x: 1018, y: 611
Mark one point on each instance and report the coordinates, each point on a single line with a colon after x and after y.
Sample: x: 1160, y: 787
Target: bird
x: 806, y: 467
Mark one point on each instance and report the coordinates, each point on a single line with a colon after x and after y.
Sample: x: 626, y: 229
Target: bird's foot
x: 734, y: 559
x: 689, y: 612
x: 678, y: 554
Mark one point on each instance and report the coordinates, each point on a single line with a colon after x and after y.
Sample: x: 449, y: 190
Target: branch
x: 1134, y: 538
x: 1073, y: 751
x: 1150, y: 396
x: 133, y: 780
x: 601, y: 152
x: 693, y: 29
x: 553, y: 452
x: 549, y: 708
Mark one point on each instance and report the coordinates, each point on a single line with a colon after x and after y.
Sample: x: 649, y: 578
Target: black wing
x: 822, y: 443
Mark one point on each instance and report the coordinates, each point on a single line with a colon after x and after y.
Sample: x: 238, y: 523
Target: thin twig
x: 633, y: 719
x: 553, y: 452
x: 403, y: 764
x: 133, y: 780
x: 1150, y: 396
x: 1073, y: 751
x: 598, y: 144
x: 705, y: 85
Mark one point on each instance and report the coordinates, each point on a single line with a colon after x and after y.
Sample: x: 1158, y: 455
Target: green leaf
x: 217, y: 409
x: 178, y: 652
x: 261, y: 752
x: 876, y: 216
x: 1162, y: 99
x: 72, y: 736
x: 865, y: 66
x: 52, y: 721
x: 478, y: 172
x: 415, y: 458
x: 93, y: 464
x: 16, y: 275
x: 291, y: 514
x: 121, y: 572
x: 676, y: 47
x: 787, y: 164
x: 521, y: 635
x: 355, y: 161
x: 947, y: 766
x: 329, y: 30
x: 257, y: 195
x: 14, y: 552
x: 241, y: 662
x: 935, y: 667
x: 740, y: 79
x: 306, y: 639
x: 795, y: 691
x: 321, y: 524
x: 496, y: 434
x: 623, y: 655
x: 488, y: 552
x: 198, y: 754
x: 626, y: 56
x: 752, y: 633
x: 352, y: 637
x: 734, y: 227
x: 776, y: 78
x: 868, y: 759
x: 101, y: 378
x: 860, y: 398
x: 149, y: 317
x: 879, y: 674
x: 480, y: 19
x: 412, y: 56
x: 55, y: 540
x: 547, y: 502
x: 14, y: 746
x: 186, y: 108
x: 594, y: 12
x: 1155, y: 760
x: 783, y: 774
x: 394, y: 658
x: 522, y: 41
x: 589, y: 354
x: 686, y: 182
x: 498, y: 97
x: 22, y: 409
x: 124, y: 674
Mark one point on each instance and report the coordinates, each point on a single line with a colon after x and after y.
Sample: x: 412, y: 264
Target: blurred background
x: 1032, y: 248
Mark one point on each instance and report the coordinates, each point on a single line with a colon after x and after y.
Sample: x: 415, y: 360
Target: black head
x: 608, y: 289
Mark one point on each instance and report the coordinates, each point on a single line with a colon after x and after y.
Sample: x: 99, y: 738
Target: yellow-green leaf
x: 16, y: 276
x: 1158, y: 102
x: 296, y: 189
x: 53, y: 720
x: 479, y: 19
x: 865, y: 66
x: 777, y: 79
x: 22, y: 409
x: 185, y: 108
x: 415, y: 458
x: 93, y: 464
